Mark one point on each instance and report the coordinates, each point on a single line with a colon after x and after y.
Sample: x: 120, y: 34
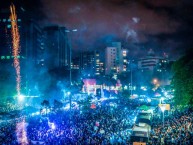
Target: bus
x: 140, y: 133
x: 144, y: 117
x: 142, y: 128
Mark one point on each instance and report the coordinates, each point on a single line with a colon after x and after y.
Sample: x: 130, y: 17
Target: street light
x: 155, y: 81
x: 163, y: 109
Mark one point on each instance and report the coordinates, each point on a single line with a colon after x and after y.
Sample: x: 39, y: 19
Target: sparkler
x: 21, y: 133
x: 21, y: 127
x: 15, y: 43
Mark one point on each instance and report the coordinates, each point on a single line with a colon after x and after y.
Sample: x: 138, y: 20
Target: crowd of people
x: 177, y: 129
x: 102, y: 125
x: 96, y: 126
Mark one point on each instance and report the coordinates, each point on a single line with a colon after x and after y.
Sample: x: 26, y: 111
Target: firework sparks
x: 15, y: 42
x: 21, y: 133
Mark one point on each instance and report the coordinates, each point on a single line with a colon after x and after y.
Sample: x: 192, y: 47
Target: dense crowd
x: 176, y: 130
x: 99, y: 126
x: 103, y: 125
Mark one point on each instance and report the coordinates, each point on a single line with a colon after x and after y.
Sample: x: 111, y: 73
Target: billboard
x: 167, y: 106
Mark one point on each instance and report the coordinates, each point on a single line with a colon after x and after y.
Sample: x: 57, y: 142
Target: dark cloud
x: 131, y: 21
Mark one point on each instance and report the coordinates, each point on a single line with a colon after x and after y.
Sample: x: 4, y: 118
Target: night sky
x: 162, y: 25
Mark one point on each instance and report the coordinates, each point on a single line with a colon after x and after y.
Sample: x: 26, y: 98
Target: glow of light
x: 15, y: 42
x: 165, y: 93
x: 21, y: 97
x: 53, y: 126
x: 162, y: 108
x: 155, y: 81
x: 68, y: 93
x: 67, y: 107
x: 157, y: 95
x: 44, y: 110
x: 21, y: 133
x: 36, y: 113
x: 135, y: 119
x: 135, y: 95
x: 125, y: 87
x: 144, y: 88
x: 103, y: 99
x: 148, y: 99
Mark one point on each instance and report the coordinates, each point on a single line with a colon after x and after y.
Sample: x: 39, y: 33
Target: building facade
x: 91, y: 64
x: 116, y: 59
x: 57, y: 47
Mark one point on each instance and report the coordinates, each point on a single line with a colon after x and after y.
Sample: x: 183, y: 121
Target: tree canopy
x: 182, y: 81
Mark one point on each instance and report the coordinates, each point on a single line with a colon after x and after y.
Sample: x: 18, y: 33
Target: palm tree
x: 45, y: 104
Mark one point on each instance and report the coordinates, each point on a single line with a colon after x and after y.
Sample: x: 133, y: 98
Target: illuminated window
x: 2, y: 57
x: 8, y: 57
x: 8, y: 26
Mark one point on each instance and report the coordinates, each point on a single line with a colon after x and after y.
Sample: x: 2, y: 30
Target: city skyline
x: 164, y: 26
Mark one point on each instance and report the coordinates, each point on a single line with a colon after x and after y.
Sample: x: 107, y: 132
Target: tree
x: 45, y: 104
x: 57, y: 105
x: 182, y: 81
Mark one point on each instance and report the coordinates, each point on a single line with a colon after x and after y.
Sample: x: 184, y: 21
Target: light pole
x: 163, y: 109
x: 131, y: 76
x: 70, y: 61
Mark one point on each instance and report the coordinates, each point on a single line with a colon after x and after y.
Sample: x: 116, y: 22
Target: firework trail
x: 15, y: 42
x: 21, y: 133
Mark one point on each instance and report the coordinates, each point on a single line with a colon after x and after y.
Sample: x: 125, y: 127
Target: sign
x: 139, y: 143
x: 167, y: 106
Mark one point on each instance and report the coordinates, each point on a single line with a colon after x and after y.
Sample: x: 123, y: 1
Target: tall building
x: 152, y: 66
x: 149, y: 62
x: 88, y: 63
x: 31, y: 38
x: 57, y: 48
x: 125, y: 60
x: 115, y: 59
x: 6, y: 36
x: 30, y: 44
x: 99, y: 65
x: 75, y: 63
x: 91, y: 64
